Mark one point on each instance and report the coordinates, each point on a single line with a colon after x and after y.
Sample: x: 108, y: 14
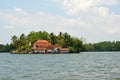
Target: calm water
x: 83, y: 66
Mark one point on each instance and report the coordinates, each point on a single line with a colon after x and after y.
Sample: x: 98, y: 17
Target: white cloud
x: 90, y: 21
x: 103, y: 11
x: 75, y: 7
x: 36, y: 21
x: 112, y: 30
x: 19, y: 10
x: 107, y: 2
x: 9, y: 27
x: 94, y: 13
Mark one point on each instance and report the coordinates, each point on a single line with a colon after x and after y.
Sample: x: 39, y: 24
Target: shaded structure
x: 43, y: 46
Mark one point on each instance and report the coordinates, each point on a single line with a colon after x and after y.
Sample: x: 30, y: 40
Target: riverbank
x: 41, y: 53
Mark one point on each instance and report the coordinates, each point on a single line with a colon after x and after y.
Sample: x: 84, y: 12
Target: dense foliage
x: 5, y: 48
x: 103, y: 46
x: 24, y: 43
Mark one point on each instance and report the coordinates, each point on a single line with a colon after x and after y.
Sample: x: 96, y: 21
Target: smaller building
x: 64, y: 50
x: 43, y: 46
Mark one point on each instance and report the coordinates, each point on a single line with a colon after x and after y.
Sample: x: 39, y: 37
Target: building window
x: 37, y: 46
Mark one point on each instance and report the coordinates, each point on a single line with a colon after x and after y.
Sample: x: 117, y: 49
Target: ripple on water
x: 83, y: 66
x: 6, y: 78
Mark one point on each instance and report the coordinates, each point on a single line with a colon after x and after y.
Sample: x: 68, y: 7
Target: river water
x: 83, y: 66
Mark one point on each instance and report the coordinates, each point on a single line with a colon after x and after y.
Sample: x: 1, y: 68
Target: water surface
x: 83, y: 66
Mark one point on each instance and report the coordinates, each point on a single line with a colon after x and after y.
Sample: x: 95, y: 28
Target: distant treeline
x: 24, y: 43
x: 103, y: 46
x: 5, y: 48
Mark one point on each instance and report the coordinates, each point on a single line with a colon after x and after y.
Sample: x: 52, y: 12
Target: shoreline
x: 42, y: 53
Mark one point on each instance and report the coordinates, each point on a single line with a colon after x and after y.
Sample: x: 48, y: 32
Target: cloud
x: 75, y: 7
x: 87, y: 18
x: 18, y: 19
x: 111, y: 30
x: 98, y: 18
x: 94, y: 13
x: 9, y: 27
x: 103, y: 11
x: 19, y: 10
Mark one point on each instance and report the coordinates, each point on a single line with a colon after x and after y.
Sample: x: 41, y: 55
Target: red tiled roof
x: 64, y: 49
x: 44, y: 44
x: 41, y: 42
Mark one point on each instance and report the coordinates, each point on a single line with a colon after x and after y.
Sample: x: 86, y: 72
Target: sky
x: 94, y: 20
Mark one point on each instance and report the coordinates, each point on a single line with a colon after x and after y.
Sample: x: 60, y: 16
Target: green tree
x: 53, y: 38
x: 67, y: 39
x: 43, y: 35
x: 15, y: 42
x: 60, y: 39
x: 88, y: 47
x: 78, y: 45
x: 117, y: 46
x: 2, y: 48
x: 22, y: 42
x: 5, y: 48
x: 32, y: 37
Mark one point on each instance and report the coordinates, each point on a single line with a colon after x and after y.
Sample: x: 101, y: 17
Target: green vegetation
x: 103, y: 46
x: 5, y: 48
x: 24, y: 43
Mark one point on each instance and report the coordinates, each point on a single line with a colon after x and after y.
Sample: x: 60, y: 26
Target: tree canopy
x: 24, y: 43
x: 103, y: 46
x: 5, y: 48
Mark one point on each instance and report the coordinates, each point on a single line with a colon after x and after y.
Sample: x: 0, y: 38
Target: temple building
x: 43, y: 46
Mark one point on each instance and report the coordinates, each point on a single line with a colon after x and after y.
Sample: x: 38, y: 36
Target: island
x: 42, y: 42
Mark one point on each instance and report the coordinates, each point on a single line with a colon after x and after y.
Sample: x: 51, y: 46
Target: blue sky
x: 94, y: 20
